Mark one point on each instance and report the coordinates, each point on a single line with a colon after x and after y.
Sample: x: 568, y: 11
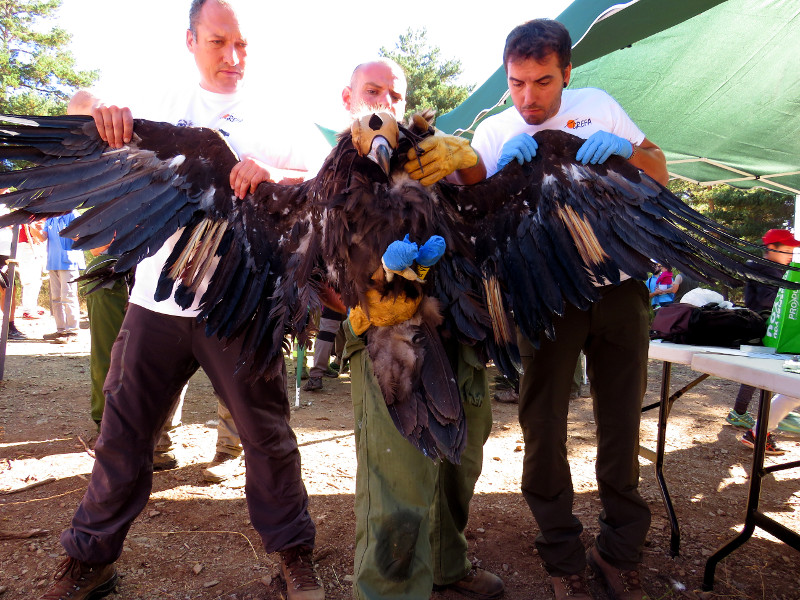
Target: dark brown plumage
x: 528, y: 240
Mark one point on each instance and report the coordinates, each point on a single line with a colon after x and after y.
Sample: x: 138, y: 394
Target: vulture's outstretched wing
x: 167, y: 179
x: 550, y: 228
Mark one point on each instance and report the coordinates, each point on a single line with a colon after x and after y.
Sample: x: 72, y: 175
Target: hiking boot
x: 790, y: 423
x: 78, y: 581
x: 749, y: 440
x: 620, y: 584
x: 330, y: 373
x: 508, y: 396
x: 66, y: 337
x: 224, y: 467
x: 163, y: 460
x: 570, y: 587
x: 297, y: 568
x: 342, y: 368
x: 313, y: 384
x: 478, y: 583
x: 746, y: 420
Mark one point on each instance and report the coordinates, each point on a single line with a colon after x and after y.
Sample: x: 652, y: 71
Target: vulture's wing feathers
x: 552, y: 227
x: 261, y: 250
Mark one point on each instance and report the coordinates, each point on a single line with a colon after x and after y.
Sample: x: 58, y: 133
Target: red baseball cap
x: 780, y: 236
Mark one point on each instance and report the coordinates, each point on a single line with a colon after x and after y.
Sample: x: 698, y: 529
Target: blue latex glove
x: 431, y: 251
x: 400, y: 254
x: 601, y: 145
x: 522, y: 147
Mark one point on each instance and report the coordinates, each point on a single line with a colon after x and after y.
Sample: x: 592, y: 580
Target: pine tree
x: 431, y: 79
x: 748, y: 213
x: 37, y: 72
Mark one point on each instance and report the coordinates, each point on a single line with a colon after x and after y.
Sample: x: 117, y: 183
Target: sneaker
x: 746, y: 420
x: 53, y: 336
x: 16, y: 334
x: 478, y: 583
x: 313, y: 384
x: 790, y: 423
x: 330, y: 373
x: 164, y: 460
x: 38, y: 314
x: 224, y: 467
x: 76, y: 580
x: 297, y: 568
x: 749, y: 440
x: 620, y: 584
x: 570, y: 587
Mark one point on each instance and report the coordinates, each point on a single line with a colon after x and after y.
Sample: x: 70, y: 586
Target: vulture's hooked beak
x: 375, y: 135
x: 381, y: 152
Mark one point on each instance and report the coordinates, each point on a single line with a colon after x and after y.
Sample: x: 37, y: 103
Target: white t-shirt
x: 583, y: 112
x: 252, y: 132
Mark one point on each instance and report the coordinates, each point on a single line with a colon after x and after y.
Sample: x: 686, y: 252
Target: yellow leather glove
x: 440, y: 155
x: 382, y: 311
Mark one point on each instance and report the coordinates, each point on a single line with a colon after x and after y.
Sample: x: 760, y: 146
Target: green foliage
x: 431, y: 79
x: 37, y: 72
x: 748, y: 213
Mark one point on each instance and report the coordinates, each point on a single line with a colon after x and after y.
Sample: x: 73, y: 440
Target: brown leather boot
x: 78, y: 581
x: 478, y: 583
x: 297, y: 567
x: 620, y: 584
x: 570, y: 587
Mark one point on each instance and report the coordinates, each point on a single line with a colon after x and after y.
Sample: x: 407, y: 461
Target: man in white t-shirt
x: 613, y: 333
x: 161, y: 345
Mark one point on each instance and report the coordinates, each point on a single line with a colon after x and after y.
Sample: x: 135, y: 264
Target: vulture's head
x: 376, y: 135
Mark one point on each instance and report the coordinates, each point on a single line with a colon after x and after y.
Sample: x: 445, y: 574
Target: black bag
x: 709, y: 325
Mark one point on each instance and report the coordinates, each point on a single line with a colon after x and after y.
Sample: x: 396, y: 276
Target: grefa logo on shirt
x: 578, y: 123
x: 231, y: 119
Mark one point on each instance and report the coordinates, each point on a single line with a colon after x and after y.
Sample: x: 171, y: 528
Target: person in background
x: 329, y: 323
x: 64, y: 265
x: 6, y: 282
x: 660, y: 286
x: 613, y: 332
x: 31, y: 254
x: 779, y: 245
x: 780, y: 407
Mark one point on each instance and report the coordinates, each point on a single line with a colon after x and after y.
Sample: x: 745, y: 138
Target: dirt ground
x: 194, y: 540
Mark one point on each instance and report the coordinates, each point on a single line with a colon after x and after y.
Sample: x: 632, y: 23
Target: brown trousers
x: 613, y: 334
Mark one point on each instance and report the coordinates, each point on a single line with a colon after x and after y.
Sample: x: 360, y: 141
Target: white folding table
x: 765, y: 374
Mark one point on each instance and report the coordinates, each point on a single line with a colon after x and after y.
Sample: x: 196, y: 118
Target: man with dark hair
x: 613, y: 332
x: 161, y: 344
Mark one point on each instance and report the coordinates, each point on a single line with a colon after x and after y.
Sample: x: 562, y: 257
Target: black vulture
x: 524, y: 242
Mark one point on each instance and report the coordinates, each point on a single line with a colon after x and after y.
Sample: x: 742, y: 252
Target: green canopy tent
x: 713, y: 83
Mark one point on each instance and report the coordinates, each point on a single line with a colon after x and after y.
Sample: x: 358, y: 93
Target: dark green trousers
x: 411, y: 512
x: 613, y: 334
x: 106, y: 307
